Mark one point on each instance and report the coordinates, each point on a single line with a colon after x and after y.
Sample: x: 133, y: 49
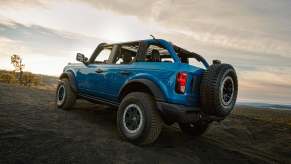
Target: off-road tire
x: 194, y: 129
x: 151, y: 121
x: 210, y: 90
x: 69, y: 96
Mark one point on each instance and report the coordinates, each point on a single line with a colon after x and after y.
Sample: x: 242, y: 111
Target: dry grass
x: 45, y: 82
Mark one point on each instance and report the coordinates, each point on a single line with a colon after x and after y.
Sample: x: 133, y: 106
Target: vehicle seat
x: 126, y: 58
x: 155, y: 56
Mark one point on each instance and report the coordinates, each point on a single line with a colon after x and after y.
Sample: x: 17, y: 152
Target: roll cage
x: 138, y: 50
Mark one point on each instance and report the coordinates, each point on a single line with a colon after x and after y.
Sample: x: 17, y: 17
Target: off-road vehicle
x: 151, y: 83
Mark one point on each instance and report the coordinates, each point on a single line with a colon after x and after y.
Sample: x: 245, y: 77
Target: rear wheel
x: 194, y: 129
x: 138, y: 121
x: 65, y: 96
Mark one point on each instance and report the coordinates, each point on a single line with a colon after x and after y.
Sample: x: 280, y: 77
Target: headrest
x: 155, y: 55
x: 126, y: 58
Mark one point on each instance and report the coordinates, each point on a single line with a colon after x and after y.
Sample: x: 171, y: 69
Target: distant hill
x: 264, y: 105
x: 46, y: 82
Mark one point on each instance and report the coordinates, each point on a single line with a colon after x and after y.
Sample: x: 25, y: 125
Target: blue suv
x: 151, y: 83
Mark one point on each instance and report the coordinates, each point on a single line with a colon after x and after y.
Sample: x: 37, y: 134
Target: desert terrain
x: 32, y: 130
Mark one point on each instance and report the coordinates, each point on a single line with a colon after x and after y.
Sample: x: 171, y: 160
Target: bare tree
x: 17, y: 63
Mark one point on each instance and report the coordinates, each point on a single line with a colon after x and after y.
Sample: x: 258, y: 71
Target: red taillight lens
x: 181, y: 82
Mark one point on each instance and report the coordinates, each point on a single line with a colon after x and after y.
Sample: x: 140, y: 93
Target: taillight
x: 181, y: 82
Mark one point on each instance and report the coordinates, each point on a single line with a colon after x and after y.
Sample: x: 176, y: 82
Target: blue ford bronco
x: 151, y: 83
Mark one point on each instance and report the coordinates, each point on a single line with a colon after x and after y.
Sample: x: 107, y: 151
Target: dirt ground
x: 32, y: 130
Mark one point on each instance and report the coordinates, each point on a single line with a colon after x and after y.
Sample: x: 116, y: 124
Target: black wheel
x: 138, y: 120
x: 219, y: 88
x: 65, y: 96
x: 194, y: 129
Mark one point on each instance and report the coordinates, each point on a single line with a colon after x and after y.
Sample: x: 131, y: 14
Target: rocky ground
x: 32, y: 130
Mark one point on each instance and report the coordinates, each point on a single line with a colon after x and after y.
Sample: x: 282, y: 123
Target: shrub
x: 29, y: 79
x: 7, y: 77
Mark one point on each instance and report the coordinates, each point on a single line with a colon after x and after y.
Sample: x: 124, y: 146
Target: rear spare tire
x: 218, y: 90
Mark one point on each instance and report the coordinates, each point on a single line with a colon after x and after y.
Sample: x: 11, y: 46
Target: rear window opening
x: 191, y: 58
x: 157, y: 53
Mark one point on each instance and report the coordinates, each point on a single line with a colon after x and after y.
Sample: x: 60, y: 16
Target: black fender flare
x: 71, y: 77
x: 153, y: 88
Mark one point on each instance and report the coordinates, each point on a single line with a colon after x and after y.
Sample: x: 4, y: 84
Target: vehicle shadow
x: 172, y: 146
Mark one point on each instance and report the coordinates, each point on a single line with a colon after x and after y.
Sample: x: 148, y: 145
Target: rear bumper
x: 178, y: 113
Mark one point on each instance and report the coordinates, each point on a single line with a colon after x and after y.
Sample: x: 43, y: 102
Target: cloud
x: 21, y: 3
x: 262, y: 86
x: 82, y: 18
x: 265, y: 84
x: 242, y: 25
x: 43, y: 50
x: 41, y: 40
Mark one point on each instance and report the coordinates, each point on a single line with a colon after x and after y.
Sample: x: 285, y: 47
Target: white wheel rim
x: 61, y: 94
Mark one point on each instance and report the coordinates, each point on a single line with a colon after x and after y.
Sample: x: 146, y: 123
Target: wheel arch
x: 142, y: 85
x: 71, y: 77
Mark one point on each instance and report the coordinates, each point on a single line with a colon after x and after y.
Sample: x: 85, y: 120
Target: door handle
x: 99, y: 71
x: 124, y: 72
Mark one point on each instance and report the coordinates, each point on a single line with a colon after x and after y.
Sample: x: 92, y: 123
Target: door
x: 94, y: 82
x: 121, y: 69
x: 116, y: 76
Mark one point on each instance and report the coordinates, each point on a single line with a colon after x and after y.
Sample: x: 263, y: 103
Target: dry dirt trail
x: 32, y: 130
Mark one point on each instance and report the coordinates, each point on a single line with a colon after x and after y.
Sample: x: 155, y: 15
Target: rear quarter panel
x: 163, y: 74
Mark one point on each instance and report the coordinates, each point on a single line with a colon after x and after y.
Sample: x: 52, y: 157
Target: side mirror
x: 81, y: 58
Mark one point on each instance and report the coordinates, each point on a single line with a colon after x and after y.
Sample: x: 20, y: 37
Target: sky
x: 253, y: 36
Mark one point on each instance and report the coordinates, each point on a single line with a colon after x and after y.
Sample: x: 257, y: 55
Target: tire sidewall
x: 148, y: 133
x: 226, y: 109
x: 213, y: 77
x: 66, y: 85
x: 61, y: 84
x: 132, y: 136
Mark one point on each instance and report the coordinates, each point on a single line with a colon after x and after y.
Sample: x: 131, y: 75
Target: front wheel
x: 138, y: 120
x: 194, y: 129
x: 65, y: 96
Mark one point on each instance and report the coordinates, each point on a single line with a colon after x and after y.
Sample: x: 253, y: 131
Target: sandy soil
x: 32, y: 130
